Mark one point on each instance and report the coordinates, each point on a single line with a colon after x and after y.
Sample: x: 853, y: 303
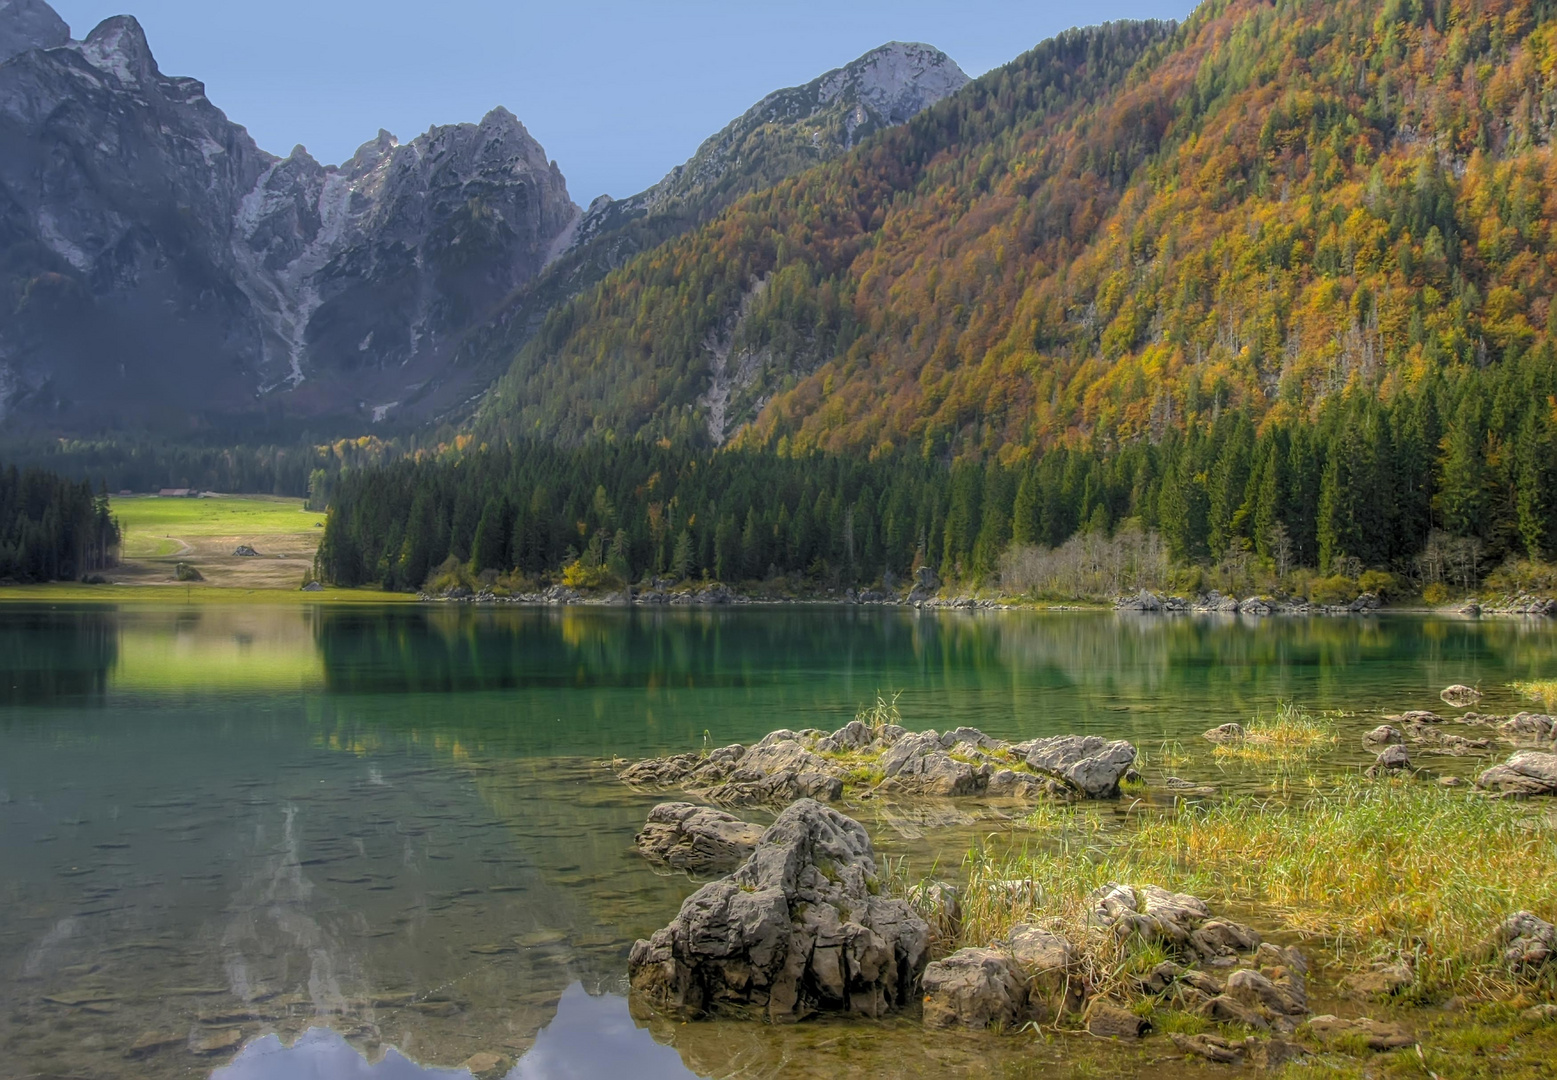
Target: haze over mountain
x: 166, y: 271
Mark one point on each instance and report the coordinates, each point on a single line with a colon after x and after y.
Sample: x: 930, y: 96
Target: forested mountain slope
x: 1129, y: 229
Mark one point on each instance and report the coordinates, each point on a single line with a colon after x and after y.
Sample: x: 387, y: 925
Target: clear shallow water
x: 223, y: 823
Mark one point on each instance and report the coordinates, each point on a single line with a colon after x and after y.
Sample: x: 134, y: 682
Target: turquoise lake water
x: 226, y: 830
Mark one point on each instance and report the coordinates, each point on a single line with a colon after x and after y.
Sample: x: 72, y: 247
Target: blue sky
x: 616, y: 91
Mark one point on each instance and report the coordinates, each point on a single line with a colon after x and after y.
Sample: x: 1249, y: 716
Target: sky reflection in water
x: 590, y: 1037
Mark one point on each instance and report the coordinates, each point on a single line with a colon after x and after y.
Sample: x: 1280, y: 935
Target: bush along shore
x: 1330, y: 926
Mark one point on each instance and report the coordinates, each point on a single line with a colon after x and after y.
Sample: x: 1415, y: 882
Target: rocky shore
x: 806, y: 925
x: 888, y: 759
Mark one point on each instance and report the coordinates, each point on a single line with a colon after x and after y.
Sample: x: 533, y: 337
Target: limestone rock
x: 1226, y: 1009
x: 1383, y: 735
x: 1527, y: 941
x: 974, y: 988
x: 1109, y: 1021
x: 1461, y: 697
x: 1226, y: 733
x: 798, y: 929
x: 29, y: 24
x: 1092, y: 765
x: 1390, y: 759
x: 1527, y: 772
x: 698, y: 839
x: 1256, y: 990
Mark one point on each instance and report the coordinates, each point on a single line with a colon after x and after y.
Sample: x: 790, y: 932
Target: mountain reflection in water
x: 590, y: 1037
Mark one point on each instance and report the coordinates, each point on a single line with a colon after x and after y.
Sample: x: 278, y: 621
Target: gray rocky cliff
x: 788, y: 131
x: 161, y: 265
x: 29, y: 24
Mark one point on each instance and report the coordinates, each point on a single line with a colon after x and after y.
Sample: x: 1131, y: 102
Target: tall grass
x: 1541, y: 691
x: 1292, y: 737
x: 1394, y: 868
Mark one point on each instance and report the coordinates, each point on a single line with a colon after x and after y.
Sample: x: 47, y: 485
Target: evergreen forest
x: 52, y: 529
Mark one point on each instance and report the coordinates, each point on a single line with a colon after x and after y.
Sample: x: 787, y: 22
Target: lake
x: 228, y: 829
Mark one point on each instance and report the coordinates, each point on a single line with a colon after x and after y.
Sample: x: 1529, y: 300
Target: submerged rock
x: 1527, y: 772
x: 798, y: 929
x: 698, y: 839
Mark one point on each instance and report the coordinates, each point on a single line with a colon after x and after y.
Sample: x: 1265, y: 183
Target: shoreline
x: 720, y: 597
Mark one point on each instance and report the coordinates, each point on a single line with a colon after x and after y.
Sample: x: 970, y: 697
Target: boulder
x: 1088, y: 763
x: 1226, y: 1009
x: 313, y: 586
x: 1141, y: 601
x: 1226, y: 733
x: 1220, y: 939
x: 1049, y: 963
x: 1383, y: 735
x: 974, y: 988
x: 1109, y: 1021
x: 1527, y: 772
x: 1527, y: 941
x: 797, y: 929
x: 698, y: 839
x: 1391, y: 759
x: 1461, y: 697
x: 245, y: 551
x: 1255, y: 989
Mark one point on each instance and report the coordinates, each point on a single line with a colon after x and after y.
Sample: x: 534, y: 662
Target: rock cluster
x: 1036, y: 972
x: 697, y: 839
x: 786, y: 765
x: 1519, y: 604
x: 1216, y: 602
x: 799, y: 928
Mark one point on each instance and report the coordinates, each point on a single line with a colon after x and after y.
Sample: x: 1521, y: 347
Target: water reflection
x: 321, y: 1054
x: 592, y: 1036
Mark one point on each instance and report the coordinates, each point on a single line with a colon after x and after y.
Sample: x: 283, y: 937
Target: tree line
x: 1464, y: 461
x: 51, y: 528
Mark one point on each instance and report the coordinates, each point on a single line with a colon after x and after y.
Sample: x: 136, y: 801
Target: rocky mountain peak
x: 118, y: 47
x: 29, y: 24
x: 896, y: 80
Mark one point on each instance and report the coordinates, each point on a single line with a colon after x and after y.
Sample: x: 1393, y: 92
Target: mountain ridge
x: 1266, y: 205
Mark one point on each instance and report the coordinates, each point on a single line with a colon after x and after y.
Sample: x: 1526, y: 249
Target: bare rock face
x: 975, y: 988
x: 29, y: 24
x: 798, y: 929
x: 162, y: 263
x: 1528, y: 772
x: 1091, y: 764
x: 698, y: 839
